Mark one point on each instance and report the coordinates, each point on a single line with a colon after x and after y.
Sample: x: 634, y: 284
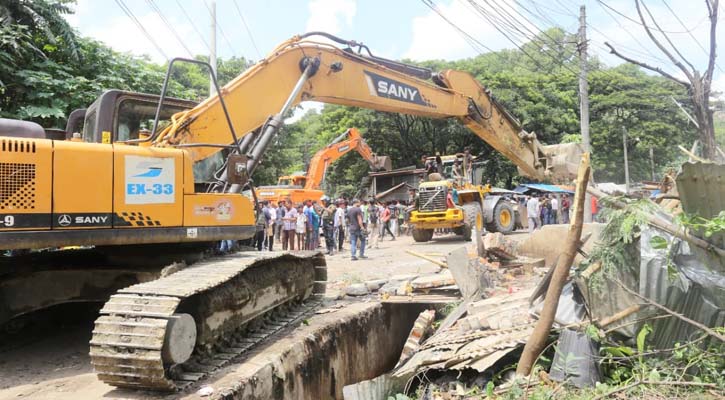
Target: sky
x: 391, y: 28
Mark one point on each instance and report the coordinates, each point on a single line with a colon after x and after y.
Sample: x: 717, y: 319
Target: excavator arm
x: 343, y: 144
x: 303, y: 69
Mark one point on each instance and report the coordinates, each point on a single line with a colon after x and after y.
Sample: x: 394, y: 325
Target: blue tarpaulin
x: 541, y: 188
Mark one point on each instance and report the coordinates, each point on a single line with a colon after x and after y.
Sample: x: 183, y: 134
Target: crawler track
x: 235, y: 301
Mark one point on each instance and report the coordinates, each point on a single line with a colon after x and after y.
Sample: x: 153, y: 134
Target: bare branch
x: 654, y: 21
x: 713, y: 42
x: 660, y: 46
x: 647, y: 66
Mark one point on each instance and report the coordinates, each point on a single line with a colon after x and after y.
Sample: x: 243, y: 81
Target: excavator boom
x: 343, y: 144
x: 341, y: 76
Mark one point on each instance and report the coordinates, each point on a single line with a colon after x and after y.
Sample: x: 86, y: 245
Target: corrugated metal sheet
x: 496, y: 327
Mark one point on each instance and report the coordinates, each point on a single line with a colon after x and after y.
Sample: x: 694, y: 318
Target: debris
x: 471, y: 277
x: 575, y: 360
x: 500, y: 246
x: 423, y: 256
x: 433, y: 281
x: 570, y: 309
x: 377, y: 388
x: 357, y: 289
x: 421, y: 328
x: 376, y: 284
x: 205, y: 391
x: 458, y: 349
x: 529, y: 265
x: 538, y: 338
x: 404, y: 288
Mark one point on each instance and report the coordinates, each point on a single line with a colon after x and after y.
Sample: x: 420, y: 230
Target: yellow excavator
x: 187, y: 181
x: 298, y: 188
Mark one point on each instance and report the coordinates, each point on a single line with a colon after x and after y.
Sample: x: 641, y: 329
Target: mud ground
x: 49, y: 359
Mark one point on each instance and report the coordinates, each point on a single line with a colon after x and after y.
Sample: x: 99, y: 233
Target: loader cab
x: 446, y: 169
x: 292, y: 180
x: 119, y: 115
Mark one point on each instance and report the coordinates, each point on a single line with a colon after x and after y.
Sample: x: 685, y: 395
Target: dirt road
x: 50, y: 360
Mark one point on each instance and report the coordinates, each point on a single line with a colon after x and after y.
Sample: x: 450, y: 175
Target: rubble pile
x: 643, y: 270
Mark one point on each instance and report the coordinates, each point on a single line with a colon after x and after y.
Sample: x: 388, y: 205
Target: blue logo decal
x: 153, y: 172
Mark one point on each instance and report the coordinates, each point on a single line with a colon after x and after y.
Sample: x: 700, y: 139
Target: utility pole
x: 584, y: 99
x: 652, y: 162
x: 212, y: 47
x: 626, y: 160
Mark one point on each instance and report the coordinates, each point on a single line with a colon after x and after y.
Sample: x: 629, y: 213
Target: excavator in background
x: 298, y: 188
x: 187, y: 182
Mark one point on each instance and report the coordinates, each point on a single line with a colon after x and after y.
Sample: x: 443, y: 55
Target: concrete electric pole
x: 626, y: 160
x: 212, y: 46
x: 584, y: 99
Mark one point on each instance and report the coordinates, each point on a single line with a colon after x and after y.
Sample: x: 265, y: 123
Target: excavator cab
x: 119, y: 115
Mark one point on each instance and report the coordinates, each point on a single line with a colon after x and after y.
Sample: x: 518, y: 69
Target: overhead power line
x: 191, y: 21
x: 507, y: 24
x: 249, y: 32
x: 647, y: 26
x: 689, y: 32
x: 140, y: 26
x: 156, y: 9
x: 472, y: 41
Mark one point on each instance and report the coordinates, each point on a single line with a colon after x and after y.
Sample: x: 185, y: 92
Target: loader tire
x: 472, y: 217
x: 422, y: 235
x: 504, y: 219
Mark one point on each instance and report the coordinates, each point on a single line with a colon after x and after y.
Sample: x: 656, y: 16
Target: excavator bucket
x: 563, y: 161
x: 382, y: 163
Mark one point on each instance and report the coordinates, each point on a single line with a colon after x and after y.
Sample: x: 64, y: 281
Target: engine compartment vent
x: 17, y: 186
x: 17, y: 146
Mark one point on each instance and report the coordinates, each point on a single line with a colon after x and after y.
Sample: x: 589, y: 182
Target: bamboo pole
x: 423, y: 256
x: 538, y: 337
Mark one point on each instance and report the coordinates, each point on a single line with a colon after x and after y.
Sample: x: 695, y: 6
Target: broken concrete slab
x: 549, y: 241
x: 357, y: 289
x: 500, y: 246
x: 471, y: 276
x: 376, y: 284
x: 444, y: 278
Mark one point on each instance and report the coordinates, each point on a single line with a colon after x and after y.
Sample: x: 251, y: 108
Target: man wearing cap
x: 357, y: 230
x: 328, y: 219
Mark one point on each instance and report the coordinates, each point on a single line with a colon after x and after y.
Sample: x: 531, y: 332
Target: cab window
x: 137, y: 114
x: 89, y: 127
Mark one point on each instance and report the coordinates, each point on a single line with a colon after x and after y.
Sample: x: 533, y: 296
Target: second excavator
x: 298, y: 188
x: 185, y: 183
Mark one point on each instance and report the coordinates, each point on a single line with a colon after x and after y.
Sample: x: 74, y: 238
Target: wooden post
x: 538, y: 337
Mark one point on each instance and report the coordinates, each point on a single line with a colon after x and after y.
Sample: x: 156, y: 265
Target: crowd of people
x: 546, y: 209
x: 361, y: 223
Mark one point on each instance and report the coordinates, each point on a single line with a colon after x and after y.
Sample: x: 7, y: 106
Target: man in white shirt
x: 554, y: 210
x: 532, y: 210
x: 339, y: 224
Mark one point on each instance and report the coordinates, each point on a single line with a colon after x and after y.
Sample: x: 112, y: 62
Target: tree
x: 697, y: 84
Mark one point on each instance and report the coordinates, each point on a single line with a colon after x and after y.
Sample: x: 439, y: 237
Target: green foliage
x: 708, y: 227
